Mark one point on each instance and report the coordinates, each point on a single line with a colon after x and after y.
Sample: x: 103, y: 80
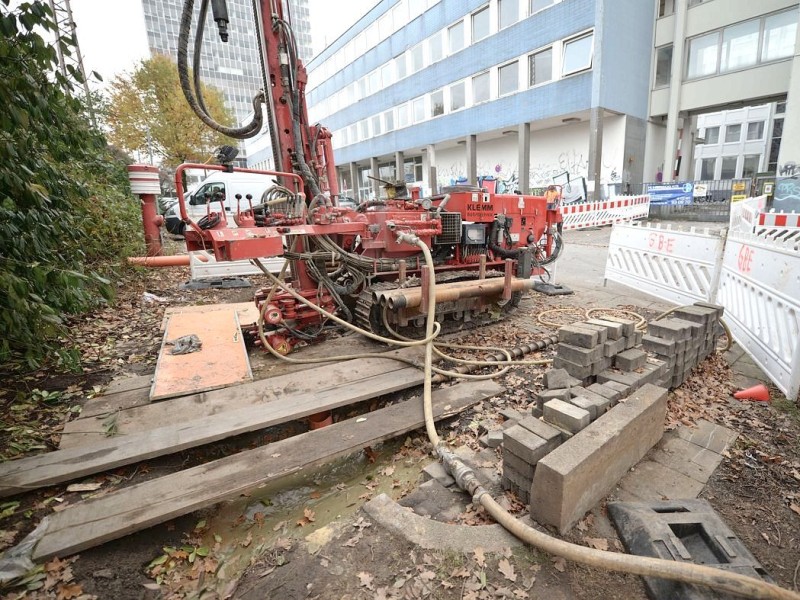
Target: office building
x: 233, y: 67
x: 525, y: 91
x: 739, y: 60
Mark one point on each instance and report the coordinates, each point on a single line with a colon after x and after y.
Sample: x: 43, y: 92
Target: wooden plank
x: 119, y: 513
x: 222, y: 360
x: 246, y: 311
x: 319, y: 379
x: 102, y: 406
x: 24, y: 474
x: 127, y: 384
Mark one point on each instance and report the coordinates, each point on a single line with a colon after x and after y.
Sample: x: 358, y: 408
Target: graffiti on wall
x: 575, y: 163
x: 789, y: 169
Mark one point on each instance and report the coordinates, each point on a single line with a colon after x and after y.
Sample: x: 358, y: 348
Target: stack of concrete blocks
x: 524, y: 445
x: 683, y: 340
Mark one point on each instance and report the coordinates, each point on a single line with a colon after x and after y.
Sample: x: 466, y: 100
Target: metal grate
x: 451, y: 229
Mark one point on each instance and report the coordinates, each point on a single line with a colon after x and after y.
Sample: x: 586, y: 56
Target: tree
x: 66, y: 210
x: 147, y: 113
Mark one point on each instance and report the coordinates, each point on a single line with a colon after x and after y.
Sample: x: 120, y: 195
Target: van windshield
x: 206, y: 194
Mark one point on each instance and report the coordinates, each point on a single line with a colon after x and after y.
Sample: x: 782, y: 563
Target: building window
x: 733, y: 133
x: 779, y: 35
x: 508, y: 12
x: 775, y: 145
x: 387, y: 74
x: 707, y: 166
x: 577, y: 55
x: 666, y: 7
x: 437, y: 103
x: 376, y: 125
x: 417, y: 58
x: 480, y: 88
x: 435, y: 47
x: 418, y: 110
x: 780, y: 108
x: 703, y: 54
x: 455, y: 37
x: 663, y: 65
x: 712, y: 135
x: 457, y: 96
x: 740, y: 45
x: 541, y: 67
x: 412, y: 169
x: 728, y: 167
x: 353, y: 133
x: 480, y: 25
x: 400, y: 66
x: 537, y: 5
x: 416, y: 8
x: 508, y: 78
x: 750, y: 165
x: 388, y: 120
x: 402, y: 116
x: 374, y: 82
x: 363, y: 129
x: 755, y: 131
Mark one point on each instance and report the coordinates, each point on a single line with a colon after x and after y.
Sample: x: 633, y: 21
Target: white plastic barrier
x: 745, y: 214
x: 760, y: 289
x: 679, y: 266
x: 607, y: 212
x: 779, y: 226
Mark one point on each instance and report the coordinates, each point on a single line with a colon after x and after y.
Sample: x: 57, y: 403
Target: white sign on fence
x: 607, y: 212
x: 679, y: 266
x: 760, y: 290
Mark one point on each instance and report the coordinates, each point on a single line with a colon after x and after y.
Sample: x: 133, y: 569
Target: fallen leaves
x: 365, y: 580
x: 507, y: 569
x: 308, y: 517
x: 598, y: 543
x: 559, y: 564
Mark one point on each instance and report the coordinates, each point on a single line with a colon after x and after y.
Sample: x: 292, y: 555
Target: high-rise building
x: 233, y: 67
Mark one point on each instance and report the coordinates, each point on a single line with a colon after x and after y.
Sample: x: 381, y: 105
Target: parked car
x: 219, y: 182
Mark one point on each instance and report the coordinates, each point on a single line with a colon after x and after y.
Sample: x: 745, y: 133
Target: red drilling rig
x: 362, y: 264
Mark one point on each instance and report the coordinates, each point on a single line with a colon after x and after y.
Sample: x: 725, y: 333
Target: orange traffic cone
x: 757, y: 392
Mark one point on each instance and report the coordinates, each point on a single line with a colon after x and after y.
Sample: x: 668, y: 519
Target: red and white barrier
x: 605, y: 212
x: 779, y: 220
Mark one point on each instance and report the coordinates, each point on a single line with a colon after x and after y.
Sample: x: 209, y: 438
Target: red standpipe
x: 145, y: 184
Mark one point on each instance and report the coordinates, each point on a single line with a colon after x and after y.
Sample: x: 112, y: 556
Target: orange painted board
x: 222, y: 361
x: 247, y: 311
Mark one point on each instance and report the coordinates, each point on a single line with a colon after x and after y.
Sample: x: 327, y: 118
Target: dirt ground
x: 756, y: 490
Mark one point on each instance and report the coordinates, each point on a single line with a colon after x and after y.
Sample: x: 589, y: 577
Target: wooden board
x: 127, y: 384
x: 24, y: 474
x: 102, y: 406
x: 222, y: 360
x: 322, y: 380
x: 246, y: 311
x: 100, y: 520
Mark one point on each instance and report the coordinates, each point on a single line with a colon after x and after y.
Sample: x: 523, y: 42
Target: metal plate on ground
x: 551, y: 289
x: 684, y: 531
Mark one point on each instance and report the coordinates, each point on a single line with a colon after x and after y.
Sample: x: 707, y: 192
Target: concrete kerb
x: 433, y: 535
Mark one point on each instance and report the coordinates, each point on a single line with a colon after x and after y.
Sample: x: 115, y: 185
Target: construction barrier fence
x: 605, y: 212
x: 752, y: 268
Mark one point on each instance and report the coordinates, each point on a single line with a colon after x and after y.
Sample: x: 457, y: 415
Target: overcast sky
x: 113, y: 41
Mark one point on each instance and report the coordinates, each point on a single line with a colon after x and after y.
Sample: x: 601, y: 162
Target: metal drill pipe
x: 447, y: 292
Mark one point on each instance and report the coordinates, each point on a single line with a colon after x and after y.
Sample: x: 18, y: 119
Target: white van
x: 228, y: 184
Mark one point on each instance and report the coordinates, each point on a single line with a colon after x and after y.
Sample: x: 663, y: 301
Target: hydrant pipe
x: 178, y: 260
x: 145, y: 184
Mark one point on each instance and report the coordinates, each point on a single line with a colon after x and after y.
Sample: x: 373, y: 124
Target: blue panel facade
x: 567, y: 95
x: 627, y: 45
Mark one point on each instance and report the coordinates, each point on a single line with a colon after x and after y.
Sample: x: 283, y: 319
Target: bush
x: 65, y: 206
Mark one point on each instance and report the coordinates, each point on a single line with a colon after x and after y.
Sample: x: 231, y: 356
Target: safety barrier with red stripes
x: 779, y: 220
x: 605, y: 212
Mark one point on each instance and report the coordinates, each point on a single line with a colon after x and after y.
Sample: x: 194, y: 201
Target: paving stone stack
x: 683, y: 340
x: 524, y: 445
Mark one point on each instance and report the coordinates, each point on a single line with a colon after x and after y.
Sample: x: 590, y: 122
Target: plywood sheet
x: 246, y: 311
x: 222, y: 360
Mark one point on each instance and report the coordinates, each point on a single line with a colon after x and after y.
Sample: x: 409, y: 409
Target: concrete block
x: 628, y: 326
x: 511, y: 414
x: 659, y: 364
x: 579, y: 473
x: 602, y: 365
x: 547, y: 395
x: 605, y: 391
x: 628, y: 379
x: 547, y: 432
x: 566, y: 416
x: 522, y: 494
x: 536, y: 411
x: 630, y: 341
x: 658, y: 345
x: 630, y: 360
x: 578, y: 355
x: 436, y: 471
x: 601, y: 403
x: 559, y: 379
x: 574, y: 369
x: 621, y: 388
x: 518, y: 464
x: 670, y: 329
x: 578, y: 336
x: 516, y: 477
x: 720, y: 310
x: 585, y: 404
x: 493, y: 439
x: 696, y: 314
x: 614, y: 347
x: 614, y: 331
x: 638, y: 335
x: 525, y: 444
x: 602, y: 332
